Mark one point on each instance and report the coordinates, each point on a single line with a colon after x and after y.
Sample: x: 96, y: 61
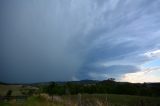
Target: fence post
x: 107, y: 101
x: 79, y: 99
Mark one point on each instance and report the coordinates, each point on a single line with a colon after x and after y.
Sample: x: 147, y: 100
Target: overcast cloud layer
x: 44, y: 40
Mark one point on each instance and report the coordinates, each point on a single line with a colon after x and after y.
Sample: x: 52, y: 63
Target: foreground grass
x: 14, y: 88
x: 32, y: 101
x: 86, y: 100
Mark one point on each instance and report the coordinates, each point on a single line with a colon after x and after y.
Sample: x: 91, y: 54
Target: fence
x: 17, y: 98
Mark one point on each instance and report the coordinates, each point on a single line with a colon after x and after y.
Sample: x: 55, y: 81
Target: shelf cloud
x: 73, y: 40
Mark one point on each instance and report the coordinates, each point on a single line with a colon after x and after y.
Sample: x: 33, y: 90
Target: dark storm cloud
x: 67, y: 40
x: 100, y: 72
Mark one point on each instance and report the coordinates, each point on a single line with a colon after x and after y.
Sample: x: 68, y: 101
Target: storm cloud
x: 64, y: 40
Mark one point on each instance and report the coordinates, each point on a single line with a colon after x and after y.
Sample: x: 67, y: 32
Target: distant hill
x: 83, y: 82
x: 64, y: 82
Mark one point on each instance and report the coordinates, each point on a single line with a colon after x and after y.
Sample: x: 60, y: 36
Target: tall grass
x: 86, y: 100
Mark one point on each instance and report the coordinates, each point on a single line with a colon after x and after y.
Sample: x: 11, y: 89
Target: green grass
x: 116, y: 100
x: 133, y: 100
x: 129, y: 100
x: 87, y: 100
x: 4, y: 104
x: 14, y: 88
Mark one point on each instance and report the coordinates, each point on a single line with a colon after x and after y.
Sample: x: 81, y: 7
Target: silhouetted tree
x: 50, y: 89
x: 9, y: 93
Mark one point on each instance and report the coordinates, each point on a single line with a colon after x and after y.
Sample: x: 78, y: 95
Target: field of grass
x: 76, y: 100
x: 14, y: 88
x: 86, y: 100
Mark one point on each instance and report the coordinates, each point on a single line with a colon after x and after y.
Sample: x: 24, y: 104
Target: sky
x: 65, y: 40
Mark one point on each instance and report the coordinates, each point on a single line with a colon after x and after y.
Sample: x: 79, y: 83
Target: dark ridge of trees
x: 51, y: 89
x: 109, y: 86
x: 2, y: 83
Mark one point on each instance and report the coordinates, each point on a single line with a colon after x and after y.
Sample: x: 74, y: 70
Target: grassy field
x: 76, y: 100
x: 86, y: 100
x: 14, y: 88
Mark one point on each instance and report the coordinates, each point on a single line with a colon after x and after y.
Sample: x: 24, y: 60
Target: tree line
x: 102, y: 87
